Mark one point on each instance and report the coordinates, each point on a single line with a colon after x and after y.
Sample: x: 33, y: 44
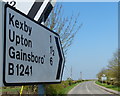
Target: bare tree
x: 66, y: 27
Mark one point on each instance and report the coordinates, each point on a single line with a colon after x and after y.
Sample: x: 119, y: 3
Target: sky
x: 68, y: 0
x: 96, y: 41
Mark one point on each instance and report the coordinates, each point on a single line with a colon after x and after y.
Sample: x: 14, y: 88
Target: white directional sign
x: 1, y: 45
x: 32, y: 52
x: 104, y: 78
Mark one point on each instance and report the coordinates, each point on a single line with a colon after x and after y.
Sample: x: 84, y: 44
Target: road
x: 88, y: 88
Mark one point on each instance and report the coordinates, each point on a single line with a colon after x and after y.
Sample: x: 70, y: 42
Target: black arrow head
x: 61, y: 59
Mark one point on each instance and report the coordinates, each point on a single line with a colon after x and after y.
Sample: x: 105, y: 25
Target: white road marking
x: 89, y: 90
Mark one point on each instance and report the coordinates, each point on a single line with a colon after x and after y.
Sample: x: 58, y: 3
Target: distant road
x: 88, y: 88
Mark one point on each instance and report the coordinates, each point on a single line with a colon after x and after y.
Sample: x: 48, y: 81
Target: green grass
x: 67, y: 89
x: 10, y: 89
x: 113, y: 87
x: 62, y: 88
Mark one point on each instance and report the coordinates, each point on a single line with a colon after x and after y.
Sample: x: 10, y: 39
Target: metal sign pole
x: 41, y: 89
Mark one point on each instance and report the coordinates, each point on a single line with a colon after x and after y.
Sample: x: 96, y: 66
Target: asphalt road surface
x: 88, y: 88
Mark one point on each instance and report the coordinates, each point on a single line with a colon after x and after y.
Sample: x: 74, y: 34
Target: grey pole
x: 41, y: 90
x: 71, y: 72
x: 81, y: 76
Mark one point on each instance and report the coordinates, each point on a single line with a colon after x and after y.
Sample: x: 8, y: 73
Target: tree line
x: 112, y: 71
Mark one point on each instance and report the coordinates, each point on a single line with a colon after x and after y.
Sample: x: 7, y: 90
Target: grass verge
x: 67, y: 89
x: 113, y: 87
x: 10, y: 89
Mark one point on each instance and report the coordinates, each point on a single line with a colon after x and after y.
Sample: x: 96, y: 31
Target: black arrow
x: 60, y: 59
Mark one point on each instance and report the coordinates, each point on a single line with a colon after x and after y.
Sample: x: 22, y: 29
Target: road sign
x: 41, y: 10
x: 32, y: 52
x: 103, y: 78
x: 1, y: 44
x: 35, y: 8
x: 46, y: 11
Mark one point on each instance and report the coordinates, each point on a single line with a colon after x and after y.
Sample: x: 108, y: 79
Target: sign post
x: 103, y: 78
x: 32, y: 52
x: 41, y: 10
